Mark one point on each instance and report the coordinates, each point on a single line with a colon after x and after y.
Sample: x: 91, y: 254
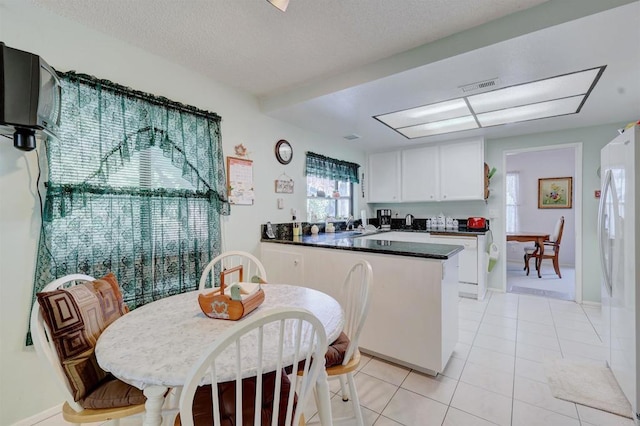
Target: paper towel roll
x: 493, y: 256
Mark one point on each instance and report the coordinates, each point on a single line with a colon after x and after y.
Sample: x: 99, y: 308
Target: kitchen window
x: 328, y: 198
x: 329, y: 187
x: 136, y: 186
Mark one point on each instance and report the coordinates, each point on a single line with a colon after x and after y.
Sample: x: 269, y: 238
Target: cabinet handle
x: 295, y: 262
x: 444, y: 196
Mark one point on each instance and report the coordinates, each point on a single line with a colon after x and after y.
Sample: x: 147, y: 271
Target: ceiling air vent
x: 485, y: 84
x: 352, y: 136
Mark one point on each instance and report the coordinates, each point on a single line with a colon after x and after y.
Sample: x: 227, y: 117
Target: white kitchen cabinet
x: 413, y: 319
x: 384, y: 177
x: 420, y: 174
x: 473, y: 263
x: 462, y: 171
x: 451, y: 171
x: 286, y: 264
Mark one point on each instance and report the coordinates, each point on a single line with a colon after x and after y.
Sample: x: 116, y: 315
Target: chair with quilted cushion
x: 66, y: 320
x: 551, y: 249
x: 238, y: 266
x: 343, y: 357
x: 248, y: 394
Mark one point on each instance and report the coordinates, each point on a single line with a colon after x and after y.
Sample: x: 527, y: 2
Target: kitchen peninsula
x: 413, y: 319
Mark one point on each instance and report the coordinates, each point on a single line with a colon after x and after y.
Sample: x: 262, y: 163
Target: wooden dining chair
x: 356, y: 302
x: 221, y: 267
x: 551, y: 249
x: 64, y: 327
x: 259, y: 393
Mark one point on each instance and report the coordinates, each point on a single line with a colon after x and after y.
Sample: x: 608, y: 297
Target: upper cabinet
x: 446, y: 172
x: 384, y: 177
x: 420, y: 174
x: 462, y: 171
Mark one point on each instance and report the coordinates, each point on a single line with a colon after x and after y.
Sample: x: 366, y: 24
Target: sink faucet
x: 349, y: 224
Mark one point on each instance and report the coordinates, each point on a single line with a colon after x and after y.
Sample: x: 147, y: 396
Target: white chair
x: 251, y: 269
x: 357, y: 300
x: 72, y: 411
x: 278, y: 339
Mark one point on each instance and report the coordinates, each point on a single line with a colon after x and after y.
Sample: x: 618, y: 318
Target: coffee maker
x: 384, y: 219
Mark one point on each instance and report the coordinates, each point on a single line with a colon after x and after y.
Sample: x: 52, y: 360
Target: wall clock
x: 284, y: 153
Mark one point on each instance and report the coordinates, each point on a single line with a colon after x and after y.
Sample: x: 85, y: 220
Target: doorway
x: 523, y: 214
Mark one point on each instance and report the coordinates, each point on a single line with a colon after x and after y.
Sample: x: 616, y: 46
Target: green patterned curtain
x: 331, y: 168
x: 136, y: 186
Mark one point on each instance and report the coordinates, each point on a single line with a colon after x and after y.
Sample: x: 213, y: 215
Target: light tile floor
x: 495, y: 377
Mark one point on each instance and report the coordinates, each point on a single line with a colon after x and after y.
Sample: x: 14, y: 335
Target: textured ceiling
x: 251, y: 45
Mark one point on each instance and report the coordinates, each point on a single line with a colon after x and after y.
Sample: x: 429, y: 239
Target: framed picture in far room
x: 555, y: 193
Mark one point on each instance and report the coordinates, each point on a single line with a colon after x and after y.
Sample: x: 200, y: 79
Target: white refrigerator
x: 618, y: 236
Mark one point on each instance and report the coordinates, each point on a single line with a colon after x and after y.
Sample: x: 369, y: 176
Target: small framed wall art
x: 555, y: 193
x: 284, y: 184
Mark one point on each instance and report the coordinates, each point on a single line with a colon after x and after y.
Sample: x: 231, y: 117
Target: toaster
x: 476, y: 223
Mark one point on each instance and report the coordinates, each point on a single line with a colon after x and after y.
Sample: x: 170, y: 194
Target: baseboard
x: 590, y: 303
x: 37, y: 418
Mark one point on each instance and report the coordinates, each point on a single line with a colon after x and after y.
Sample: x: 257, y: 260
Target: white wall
x: 25, y: 388
x: 532, y: 166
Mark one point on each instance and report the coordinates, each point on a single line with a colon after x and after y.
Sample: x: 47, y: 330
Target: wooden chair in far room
x: 67, y: 336
x: 343, y: 357
x: 259, y: 394
x: 247, y: 269
x: 551, y: 249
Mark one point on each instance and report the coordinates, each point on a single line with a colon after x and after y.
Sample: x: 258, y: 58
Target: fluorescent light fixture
x: 426, y: 114
x: 439, y: 127
x: 280, y: 4
x: 560, y: 95
x: 538, y: 91
x: 531, y: 112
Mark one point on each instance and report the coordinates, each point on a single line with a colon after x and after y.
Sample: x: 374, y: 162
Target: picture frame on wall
x: 555, y: 193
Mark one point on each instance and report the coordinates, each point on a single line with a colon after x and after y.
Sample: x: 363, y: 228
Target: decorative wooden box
x: 218, y: 305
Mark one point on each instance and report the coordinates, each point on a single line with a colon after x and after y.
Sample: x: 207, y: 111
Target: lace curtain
x: 331, y: 168
x: 136, y: 186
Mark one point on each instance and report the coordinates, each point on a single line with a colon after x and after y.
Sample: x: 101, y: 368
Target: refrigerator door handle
x: 602, y: 235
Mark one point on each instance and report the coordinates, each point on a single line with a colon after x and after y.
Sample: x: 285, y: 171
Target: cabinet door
x: 420, y: 174
x: 282, y: 264
x: 384, y: 177
x: 461, y: 171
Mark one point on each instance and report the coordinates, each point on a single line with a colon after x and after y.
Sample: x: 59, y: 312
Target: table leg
x: 324, y: 399
x: 153, y: 406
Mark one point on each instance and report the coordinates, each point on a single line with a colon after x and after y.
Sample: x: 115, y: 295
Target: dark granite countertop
x: 348, y: 240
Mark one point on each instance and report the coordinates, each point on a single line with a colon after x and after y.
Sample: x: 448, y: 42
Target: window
x: 512, y: 201
x: 328, y: 198
x: 329, y: 187
x: 136, y: 187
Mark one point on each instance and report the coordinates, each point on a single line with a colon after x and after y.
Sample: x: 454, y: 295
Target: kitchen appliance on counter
x: 477, y: 223
x: 619, y: 258
x: 384, y: 219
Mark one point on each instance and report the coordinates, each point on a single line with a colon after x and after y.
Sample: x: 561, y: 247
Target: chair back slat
x: 224, y: 263
x: 298, y: 331
x: 357, y: 286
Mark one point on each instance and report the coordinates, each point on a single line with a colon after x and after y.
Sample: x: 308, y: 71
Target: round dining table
x: 154, y: 347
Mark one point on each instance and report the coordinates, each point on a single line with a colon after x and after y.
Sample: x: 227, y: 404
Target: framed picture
x: 555, y: 193
x: 284, y: 186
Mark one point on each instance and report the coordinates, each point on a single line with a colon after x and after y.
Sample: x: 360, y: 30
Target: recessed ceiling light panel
x: 562, y: 86
x: 531, y: 112
x: 440, y: 127
x: 426, y: 114
x: 551, y: 97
